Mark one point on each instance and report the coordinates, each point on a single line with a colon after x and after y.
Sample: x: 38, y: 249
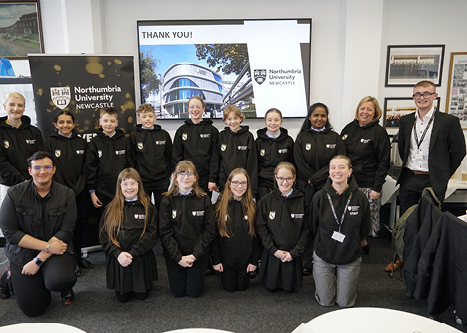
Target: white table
x: 371, y: 320
x: 40, y: 328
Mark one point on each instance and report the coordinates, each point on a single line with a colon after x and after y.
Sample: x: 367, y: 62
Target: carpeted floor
x: 96, y: 308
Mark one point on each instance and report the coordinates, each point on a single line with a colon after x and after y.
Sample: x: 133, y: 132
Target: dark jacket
x: 198, y: 143
x: 238, y: 150
x: 129, y: 236
x: 186, y: 226
x: 270, y: 153
x: 447, y: 148
x: 313, y: 151
x: 238, y: 250
x: 69, y: 155
x: 369, y: 149
x: 105, y: 158
x: 16, y: 146
x: 282, y: 222
x: 355, y: 227
x: 25, y: 212
x: 152, y: 149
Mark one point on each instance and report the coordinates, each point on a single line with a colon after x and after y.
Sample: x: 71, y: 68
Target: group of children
x: 236, y: 234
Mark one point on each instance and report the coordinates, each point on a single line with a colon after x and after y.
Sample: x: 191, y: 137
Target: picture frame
x: 408, y: 64
x: 20, y: 29
x: 396, y: 107
x: 456, y: 97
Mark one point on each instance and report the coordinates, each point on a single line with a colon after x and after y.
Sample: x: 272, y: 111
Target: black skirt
x: 277, y: 274
x: 137, y: 277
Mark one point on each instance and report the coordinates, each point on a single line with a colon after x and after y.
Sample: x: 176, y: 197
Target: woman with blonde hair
x: 367, y: 145
x: 128, y: 234
x: 186, y: 228
x: 235, y: 250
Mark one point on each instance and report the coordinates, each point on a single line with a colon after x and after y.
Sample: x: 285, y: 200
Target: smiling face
x: 185, y: 180
x: 147, y: 119
x: 108, y: 123
x: 64, y: 124
x: 14, y: 108
x: 366, y: 113
x: 424, y: 104
x: 285, y: 180
x: 238, y: 185
x: 339, y: 170
x: 129, y: 188
x: 233, y: 121
x: 318, y: 118
x: 42, y: 171
x: 196, y: 110
x: 273, y: 122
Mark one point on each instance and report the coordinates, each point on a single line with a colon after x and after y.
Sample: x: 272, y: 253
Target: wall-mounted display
x: 254, y: 64
x: 408, y: 64
x: 456, y: 99
x: 396, y: 107
x: 20, y: 29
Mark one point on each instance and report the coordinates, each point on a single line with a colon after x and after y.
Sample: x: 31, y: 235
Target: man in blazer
x: 431, y: 146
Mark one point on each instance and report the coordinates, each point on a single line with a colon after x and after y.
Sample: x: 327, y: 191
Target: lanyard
x: 334, y: 211
x: 424, y: 132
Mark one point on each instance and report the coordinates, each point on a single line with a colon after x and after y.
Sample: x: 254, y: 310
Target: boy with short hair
x: 152, y: 149
x: 108, y: 153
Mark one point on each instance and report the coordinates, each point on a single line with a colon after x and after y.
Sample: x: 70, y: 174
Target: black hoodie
x: 238, y: 150
x: 152, y: 149
x: 69, y: 157
x: 369, y: 149
x: 282, y: 222
x: 355, y: 227
x: 272, y: 151
x: 198, y: 143
x: 105, y: 158
x: 16, y: 146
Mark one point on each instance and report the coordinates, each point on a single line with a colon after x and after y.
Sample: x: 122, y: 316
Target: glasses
x: 425, y: 94
x: 45, y: 167
x: 237, y: 184
x: 282, y: 179
x: 189, y: 175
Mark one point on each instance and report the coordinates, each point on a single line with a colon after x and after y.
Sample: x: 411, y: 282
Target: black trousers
x: 235, y: 280
x: 203, y: 182
x: 157, y: 191
x: 186, y: 281
x: 411, y: 189
x: 32, y: 292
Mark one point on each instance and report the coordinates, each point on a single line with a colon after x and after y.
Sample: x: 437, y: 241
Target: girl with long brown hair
x: 128, y: 234
x: 186, y: 230
x: 236, y: 249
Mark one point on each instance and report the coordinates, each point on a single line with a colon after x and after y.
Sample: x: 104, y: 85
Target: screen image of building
x: 182, y: 81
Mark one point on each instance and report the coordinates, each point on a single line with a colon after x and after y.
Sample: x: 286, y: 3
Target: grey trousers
x: 336, y: 283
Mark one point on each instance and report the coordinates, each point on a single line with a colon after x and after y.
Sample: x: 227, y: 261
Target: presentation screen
x: 254, y: 64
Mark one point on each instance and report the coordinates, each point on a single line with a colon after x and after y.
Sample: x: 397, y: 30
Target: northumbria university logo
x: 61, y: 96
x: 260, y: 75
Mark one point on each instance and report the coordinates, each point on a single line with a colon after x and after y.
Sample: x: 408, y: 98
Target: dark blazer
x: 447, y: 148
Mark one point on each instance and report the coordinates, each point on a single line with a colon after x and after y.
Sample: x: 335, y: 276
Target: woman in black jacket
x: 367, y: 145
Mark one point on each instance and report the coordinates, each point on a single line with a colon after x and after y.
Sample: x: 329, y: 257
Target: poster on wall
x: 456, y: 101
x: 254, y: 64
x: 83, y: 84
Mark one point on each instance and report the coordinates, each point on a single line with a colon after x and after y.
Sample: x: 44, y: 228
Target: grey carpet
x: 96, y: 308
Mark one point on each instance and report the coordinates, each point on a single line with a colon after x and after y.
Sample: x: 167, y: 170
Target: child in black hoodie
x: 340, y: 221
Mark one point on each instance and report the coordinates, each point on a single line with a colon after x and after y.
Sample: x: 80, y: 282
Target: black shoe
x: 5, y: 283
x: 67, y: 297
x: 308, y: 268
x: 366, y: 249
x: 78, y: 271
x: 254, y: 274
x: 85, y: 264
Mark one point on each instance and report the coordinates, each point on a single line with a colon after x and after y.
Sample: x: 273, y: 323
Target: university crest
x: 308, y: 146
x: 184, y: 136
x: 260, y: 75
x: 99, y: 153
x: 140, y: 145
x: 223, y: 147
x: 58, y: 153
x: 6, y: 143
x: 272, y: 215
x: 344, y: 137
x: 262, y: 152
x: 174, y: 214
x: 61, y: 96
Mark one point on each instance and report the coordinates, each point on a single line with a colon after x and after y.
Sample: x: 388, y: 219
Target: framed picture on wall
x: 20, y: 29
x: 408, y: 64
x: 456, y: 99
x: 396, y: 107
